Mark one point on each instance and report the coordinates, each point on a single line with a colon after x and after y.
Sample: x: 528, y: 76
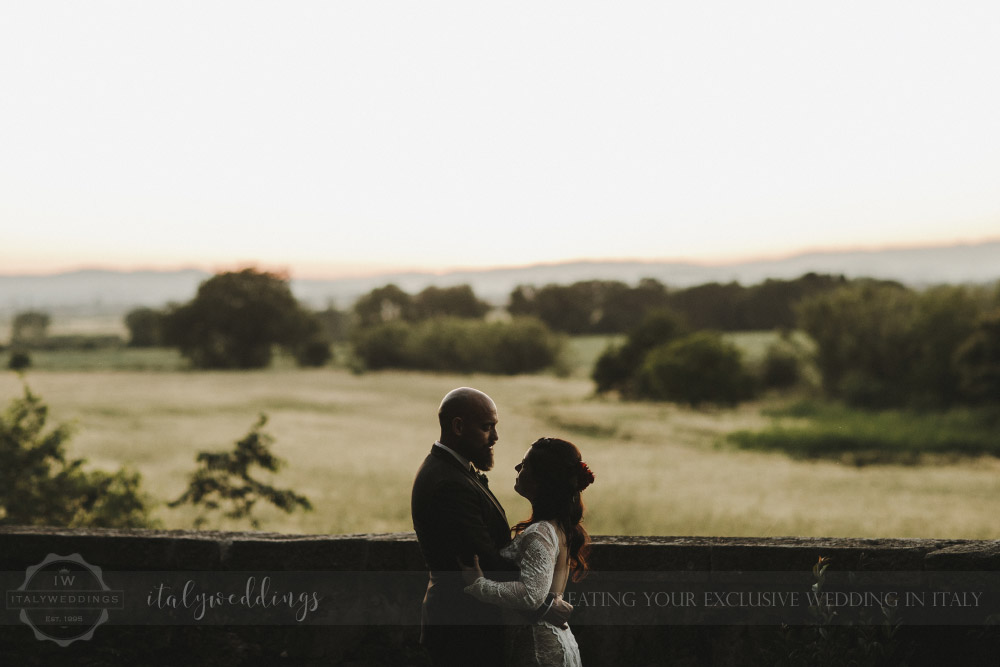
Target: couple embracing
x: 513, y: 614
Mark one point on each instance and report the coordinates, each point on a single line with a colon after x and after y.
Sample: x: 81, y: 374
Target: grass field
x: 353, y: 443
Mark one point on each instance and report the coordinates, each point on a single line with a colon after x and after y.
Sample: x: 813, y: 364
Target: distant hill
x: 110, y: 292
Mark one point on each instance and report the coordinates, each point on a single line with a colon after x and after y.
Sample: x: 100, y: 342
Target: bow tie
x: 480, y: 476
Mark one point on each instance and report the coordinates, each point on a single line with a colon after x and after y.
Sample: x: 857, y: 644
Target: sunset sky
x: 336, y: 138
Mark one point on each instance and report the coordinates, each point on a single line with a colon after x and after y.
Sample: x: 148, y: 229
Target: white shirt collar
x: 466, y: 463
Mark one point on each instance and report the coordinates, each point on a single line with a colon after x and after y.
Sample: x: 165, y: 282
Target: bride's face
x: 524, y: 484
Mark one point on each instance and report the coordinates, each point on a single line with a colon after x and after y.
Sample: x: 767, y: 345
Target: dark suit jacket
x: 456, y: 516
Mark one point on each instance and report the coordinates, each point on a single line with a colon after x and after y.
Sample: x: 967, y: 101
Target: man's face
x: 479, y: 433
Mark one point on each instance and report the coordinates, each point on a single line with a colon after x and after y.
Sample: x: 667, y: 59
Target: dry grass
x: 353, y: 444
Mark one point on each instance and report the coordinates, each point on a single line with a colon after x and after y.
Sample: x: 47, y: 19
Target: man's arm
x: 457, y: 512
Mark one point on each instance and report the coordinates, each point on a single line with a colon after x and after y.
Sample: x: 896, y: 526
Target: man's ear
x: 457, y: 425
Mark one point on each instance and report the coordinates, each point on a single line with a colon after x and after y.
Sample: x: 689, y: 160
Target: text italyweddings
x: 55, y: 600
x: 190, y: 597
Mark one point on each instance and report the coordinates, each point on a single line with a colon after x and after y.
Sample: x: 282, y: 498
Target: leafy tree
x: 384, y: 304
x: 223, y: 480
x: 699, y: 368
x: 39, y: 485
x: 622, y: 308
x: 712, y: 306
x: 883, y: 345
x: 863, y: 342
x: 977, y: 361
x: 616, y: 368
x: 457, y: 301
x: 335, y: 324
x: 235, y: 320
x: 145, y: 326
x: 29, y: 329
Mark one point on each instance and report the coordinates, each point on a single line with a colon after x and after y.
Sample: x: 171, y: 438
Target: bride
x: 548, y: 548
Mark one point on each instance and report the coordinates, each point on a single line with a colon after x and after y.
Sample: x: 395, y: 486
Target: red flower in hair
x: 584, y: 476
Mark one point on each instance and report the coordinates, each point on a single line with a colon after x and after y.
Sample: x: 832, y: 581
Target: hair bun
x: 584, y: 477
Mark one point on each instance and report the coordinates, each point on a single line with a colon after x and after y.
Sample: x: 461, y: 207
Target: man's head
x: 468, y: 420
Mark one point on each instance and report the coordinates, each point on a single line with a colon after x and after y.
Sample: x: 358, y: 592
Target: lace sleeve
x: 537, y: 561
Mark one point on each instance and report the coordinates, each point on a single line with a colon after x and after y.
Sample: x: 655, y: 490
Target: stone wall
x: 376, y: 619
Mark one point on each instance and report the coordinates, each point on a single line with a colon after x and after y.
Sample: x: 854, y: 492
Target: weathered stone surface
x: 965, y: 556
x: 386, y: 606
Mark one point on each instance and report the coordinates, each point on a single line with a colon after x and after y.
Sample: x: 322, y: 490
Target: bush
x: 781, y: 368
x: 616, y: 368
x: 313, y: 354
x: 821, y: 430
x: 700, y: 368
x: 145, y: 327
x: 523, y: 345
x: 383, y: 346
x: 18, y: 361
x: 222, y: 482
x: 39, y: 486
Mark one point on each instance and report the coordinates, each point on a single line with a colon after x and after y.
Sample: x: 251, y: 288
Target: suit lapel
x: 437, y: 451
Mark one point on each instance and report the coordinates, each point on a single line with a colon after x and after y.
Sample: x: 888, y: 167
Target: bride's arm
x: 527, y: 592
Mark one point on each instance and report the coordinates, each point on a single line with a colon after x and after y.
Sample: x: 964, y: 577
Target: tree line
x: 878, y: 343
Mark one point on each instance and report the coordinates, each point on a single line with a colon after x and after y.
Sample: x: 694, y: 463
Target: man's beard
x: 483, y: 460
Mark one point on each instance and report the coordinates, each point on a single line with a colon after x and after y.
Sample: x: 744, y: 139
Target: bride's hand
x: 470, y: 572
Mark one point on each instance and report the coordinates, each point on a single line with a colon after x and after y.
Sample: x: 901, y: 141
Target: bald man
x: 456, y: 516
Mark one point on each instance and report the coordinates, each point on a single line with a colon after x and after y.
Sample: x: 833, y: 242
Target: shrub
x: 699, y: 368
x: 383, y: 346
x: 18, y: 361
x: 223, y: 481
x: 522, y: 345
x: 40, y: 486
x: 616, y: 368
x: 313, y: 354
x: 145, y: 327
x: 781, y: 367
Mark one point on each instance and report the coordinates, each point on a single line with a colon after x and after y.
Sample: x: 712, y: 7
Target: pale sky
x: 335, y: 138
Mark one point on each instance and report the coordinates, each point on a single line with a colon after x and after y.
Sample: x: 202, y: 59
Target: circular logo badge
x: 64, y: 598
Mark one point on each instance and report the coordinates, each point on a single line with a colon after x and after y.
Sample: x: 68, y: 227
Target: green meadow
x: 353, y: 443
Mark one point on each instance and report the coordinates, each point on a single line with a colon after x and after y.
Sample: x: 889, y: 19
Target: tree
x: 977, y: 361
x: 40, y: 486
x: 30, y: 329
x: 145, y: 327
x: 384, y: 304
x: 696, y: 369
x: 616, y: 368
x: 457, y: 301
x: 235, y: 320
x: 336, y: 324
x: 223, y: 480
x: 883, y: 345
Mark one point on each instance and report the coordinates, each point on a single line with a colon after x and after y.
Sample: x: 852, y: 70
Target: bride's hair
x: 560, y: 476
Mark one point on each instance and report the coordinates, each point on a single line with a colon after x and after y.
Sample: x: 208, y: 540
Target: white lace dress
x: 535, y: 552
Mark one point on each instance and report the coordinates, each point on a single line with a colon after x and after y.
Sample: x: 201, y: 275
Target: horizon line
x: 284, y: 268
